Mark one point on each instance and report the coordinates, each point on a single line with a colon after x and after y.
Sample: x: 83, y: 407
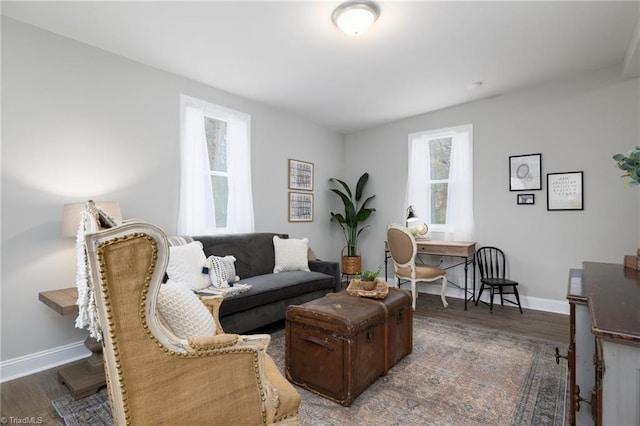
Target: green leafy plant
x: 355, y: 213
x: 369, y: 275
x: 630, y: 165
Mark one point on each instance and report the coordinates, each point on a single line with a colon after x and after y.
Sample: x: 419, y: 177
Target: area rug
x: 456, y: 375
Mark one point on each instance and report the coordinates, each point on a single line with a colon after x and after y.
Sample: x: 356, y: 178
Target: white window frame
x: 196, y: 215
x: 459, y: 224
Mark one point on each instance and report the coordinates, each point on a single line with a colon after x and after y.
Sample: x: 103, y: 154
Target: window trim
x: 238, y: 122
x: 430, y: 135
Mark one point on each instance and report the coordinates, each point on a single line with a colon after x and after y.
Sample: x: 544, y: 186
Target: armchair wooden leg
x: 414, y: 294
x: 444, y: 289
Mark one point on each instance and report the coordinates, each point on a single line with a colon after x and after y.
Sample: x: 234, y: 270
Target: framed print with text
x: 525, y: 172
x: 300, y: 207
x: 300, y: 175
x: 565, y: 191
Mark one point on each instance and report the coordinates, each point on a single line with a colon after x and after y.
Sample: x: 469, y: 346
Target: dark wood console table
x: 85, y: 377
x: 604, y: 349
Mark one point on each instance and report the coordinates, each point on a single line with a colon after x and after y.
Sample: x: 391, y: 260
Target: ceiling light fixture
x: 355, y: 17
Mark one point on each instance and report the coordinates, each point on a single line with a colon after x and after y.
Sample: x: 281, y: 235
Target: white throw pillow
x: 222, y: 270
x: 184, y: 312
x: 291, y: 254
x: 185, y: 266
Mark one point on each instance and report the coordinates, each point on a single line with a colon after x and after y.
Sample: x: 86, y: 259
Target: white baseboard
x: 23, y: 366
x: 528, y: 302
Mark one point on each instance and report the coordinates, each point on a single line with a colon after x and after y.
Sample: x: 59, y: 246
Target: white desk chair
x: 403, y: 250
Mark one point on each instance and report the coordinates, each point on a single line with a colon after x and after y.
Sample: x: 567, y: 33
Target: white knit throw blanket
x: 226, y: 291
x: 87, y: 313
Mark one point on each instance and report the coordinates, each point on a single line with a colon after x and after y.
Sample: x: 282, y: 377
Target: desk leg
x: 474, y: 279
x: 466, y: 267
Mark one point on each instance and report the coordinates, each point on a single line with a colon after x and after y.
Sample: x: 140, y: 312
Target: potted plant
x: 368, y: 278
x: 355, y: 213
x: 630, y: 164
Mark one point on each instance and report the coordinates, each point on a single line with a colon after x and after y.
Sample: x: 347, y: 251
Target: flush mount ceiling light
x: 355, y: 17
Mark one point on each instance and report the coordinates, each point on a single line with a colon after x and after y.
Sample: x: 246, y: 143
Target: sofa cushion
x: 290, y: 254
x: 185, y: 266
x: 222, y: 270
x: 184, y: 312
x: 269, y: 288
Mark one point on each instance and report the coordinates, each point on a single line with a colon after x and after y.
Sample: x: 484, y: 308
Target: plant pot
x: 368, y: 284
x: 351, y: 264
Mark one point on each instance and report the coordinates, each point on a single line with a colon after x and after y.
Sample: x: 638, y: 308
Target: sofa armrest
x: 329, y: 268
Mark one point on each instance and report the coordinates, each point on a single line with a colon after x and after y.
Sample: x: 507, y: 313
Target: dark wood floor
x: 31, y: 396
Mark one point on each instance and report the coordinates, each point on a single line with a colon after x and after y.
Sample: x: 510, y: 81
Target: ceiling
x: 418, y: 57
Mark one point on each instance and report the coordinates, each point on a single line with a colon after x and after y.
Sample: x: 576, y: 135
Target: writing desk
x: 466, y: 250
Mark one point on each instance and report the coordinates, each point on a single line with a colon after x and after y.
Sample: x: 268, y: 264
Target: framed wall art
x: 300, y: 207
x: 525, y: 172
x: 526, y: 199
x: 300, y: 175
x: 565, y: 191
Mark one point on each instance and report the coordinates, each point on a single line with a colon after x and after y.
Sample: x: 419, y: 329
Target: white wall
x: 81, y: 123
x: 577, y: 124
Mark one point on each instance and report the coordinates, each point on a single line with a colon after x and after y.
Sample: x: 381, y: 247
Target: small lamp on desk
x: 411, y: 216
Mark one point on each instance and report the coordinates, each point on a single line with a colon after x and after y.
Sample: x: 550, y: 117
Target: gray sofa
x: 270, y: 294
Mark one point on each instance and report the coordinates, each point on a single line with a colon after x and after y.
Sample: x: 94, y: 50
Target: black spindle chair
x: 492, y: 266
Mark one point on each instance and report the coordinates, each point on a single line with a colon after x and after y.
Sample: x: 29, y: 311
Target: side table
x: 85, y: 377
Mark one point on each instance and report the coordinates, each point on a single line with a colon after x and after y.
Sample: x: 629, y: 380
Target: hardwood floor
x: 537, y: 324
x: 31, y: 396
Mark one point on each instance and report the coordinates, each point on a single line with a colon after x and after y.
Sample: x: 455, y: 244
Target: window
x: 215, y: 170
x: 440, y: 180
x: 439, y: 164
x: 216, y: 134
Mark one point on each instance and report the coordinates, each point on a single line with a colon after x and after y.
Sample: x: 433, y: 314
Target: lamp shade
x: 355, y: 17
x: 71, y: 215
x: 411, y: 215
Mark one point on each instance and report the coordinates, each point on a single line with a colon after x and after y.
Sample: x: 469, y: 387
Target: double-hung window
x: 440, y: 180
x: 215, y: 169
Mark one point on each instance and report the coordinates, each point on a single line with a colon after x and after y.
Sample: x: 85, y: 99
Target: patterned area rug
x: 456, y: 375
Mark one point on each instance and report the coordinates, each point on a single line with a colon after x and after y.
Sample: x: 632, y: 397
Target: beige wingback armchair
x: 153, y: 376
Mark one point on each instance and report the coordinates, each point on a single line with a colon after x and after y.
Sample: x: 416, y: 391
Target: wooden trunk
x: 335, y: 346
x: 398, y: 323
